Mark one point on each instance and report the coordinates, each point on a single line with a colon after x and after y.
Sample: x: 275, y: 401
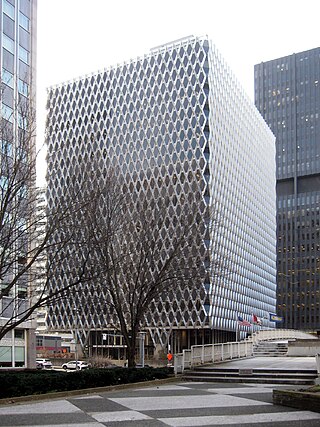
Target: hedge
x: 28, y: 382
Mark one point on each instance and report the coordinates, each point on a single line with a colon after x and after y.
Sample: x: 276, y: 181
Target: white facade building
x: 178, y: 117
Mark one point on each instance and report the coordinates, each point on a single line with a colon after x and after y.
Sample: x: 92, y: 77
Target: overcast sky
x: 77, y: 37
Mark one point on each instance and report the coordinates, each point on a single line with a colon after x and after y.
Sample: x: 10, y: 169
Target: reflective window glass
x: 23, y: 87
x: 7, y: 77
x: 8, y: 27
x: 8, y: 9
x: 8, y: 43
x: 23, y: 55
x: 7, y: 112
x: 6, y: 147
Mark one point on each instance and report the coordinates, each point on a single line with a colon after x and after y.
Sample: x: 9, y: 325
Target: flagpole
x: 252, y: 322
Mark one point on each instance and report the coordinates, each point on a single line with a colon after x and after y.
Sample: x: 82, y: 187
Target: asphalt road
x: 177, y: 404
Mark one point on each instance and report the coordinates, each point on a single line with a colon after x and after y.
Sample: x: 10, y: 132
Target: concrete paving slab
x: 49, y: 407
x: 290, y: 363
x: 240, y: 390
x: 237, y: 419
x: 105, y: 417
x: 180, y: 402
x: 93, y: 424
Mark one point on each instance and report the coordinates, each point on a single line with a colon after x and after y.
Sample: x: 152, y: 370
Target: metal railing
x: 281, y: 334
x: 213, y: 353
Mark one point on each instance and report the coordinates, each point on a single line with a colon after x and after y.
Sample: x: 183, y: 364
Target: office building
x: 18, y: 76
x: 176, y: 116
x: 287, y: 93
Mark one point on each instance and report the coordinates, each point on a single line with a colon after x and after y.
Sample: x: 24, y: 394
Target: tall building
x: 18, y: 76
x: 287, y: 93
x: 176, y: 116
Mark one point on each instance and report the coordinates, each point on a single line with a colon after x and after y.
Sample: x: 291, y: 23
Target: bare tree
x: 140, y: 251
x: 25, y: 228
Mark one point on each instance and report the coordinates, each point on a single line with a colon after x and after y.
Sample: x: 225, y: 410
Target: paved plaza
x: 267, y: 362
x: 178, y: 404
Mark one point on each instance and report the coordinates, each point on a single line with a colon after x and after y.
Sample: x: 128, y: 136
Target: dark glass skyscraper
x: 287, y: 93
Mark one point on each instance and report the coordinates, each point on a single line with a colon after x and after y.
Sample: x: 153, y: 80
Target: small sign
x: 274, y: 318
x: 245, y: 371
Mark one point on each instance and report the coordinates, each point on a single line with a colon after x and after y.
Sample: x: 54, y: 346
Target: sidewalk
x: 177, y: 404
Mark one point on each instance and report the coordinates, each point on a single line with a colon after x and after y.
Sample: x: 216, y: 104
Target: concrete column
x: 31, y: 350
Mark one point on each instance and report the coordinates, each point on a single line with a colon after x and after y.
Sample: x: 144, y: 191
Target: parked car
x: 73, y: 365
x: 44, y: 364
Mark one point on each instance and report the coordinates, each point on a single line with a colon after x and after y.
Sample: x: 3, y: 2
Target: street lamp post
x: 76, y: 311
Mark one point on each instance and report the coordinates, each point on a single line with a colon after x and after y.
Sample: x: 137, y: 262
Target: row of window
x: 9, y: 10
x: 8, y: 79
x: 7, y: 114
x: 9, y: 44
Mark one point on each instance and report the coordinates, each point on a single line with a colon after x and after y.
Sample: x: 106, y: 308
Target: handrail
x: 212, y: 353
x: 284, y: 334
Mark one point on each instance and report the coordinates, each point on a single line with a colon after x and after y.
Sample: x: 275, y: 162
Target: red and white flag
x: 255, y: 319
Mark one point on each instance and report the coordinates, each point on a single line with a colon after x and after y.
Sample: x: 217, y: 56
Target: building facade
x: 287, y: 93
x: 177, y: 116
x: 18, y: 76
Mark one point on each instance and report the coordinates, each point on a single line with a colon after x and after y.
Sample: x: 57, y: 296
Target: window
x: 7, y: 113
x: 19, y: 334
x: 24, y: 21
x: 6, y: 148
x: 8, y: 43
x: 22, y: 122
x: 7, y: 77
x: 23, y: 54
x: 8, y: 9
x: 23, y: 87
x: 4, y: 289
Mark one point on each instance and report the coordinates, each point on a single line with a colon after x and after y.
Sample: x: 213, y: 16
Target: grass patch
x: 313, y: 389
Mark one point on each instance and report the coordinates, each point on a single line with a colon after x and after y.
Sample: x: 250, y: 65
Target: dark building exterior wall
x: 287, y: 93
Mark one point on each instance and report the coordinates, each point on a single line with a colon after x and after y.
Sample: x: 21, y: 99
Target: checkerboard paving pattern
x: 176, y: 405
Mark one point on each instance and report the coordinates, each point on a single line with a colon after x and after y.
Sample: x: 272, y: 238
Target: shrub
x: 28, y: 382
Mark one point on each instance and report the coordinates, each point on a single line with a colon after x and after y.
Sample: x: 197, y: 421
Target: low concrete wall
x: 295, y: 399
x: 304, y: 348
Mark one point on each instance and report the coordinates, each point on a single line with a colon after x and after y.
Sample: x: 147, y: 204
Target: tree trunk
x: 131, y: 356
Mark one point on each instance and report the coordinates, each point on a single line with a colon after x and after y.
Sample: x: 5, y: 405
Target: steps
x: 262, y: 376
x: 270, y: 349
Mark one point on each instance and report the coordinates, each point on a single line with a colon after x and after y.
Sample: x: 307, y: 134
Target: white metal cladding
x: 177, y: 116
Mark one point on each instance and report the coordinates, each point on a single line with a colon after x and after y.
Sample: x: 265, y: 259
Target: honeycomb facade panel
x: 176, y: 119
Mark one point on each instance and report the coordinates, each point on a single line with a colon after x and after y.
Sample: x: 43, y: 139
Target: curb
x: 71, y: 393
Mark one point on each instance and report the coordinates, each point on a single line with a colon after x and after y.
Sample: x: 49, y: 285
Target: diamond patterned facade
x: 178, y: 117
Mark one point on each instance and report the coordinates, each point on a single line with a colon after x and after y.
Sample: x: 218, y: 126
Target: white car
x: 44, y: 364
x: 76, y: 365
